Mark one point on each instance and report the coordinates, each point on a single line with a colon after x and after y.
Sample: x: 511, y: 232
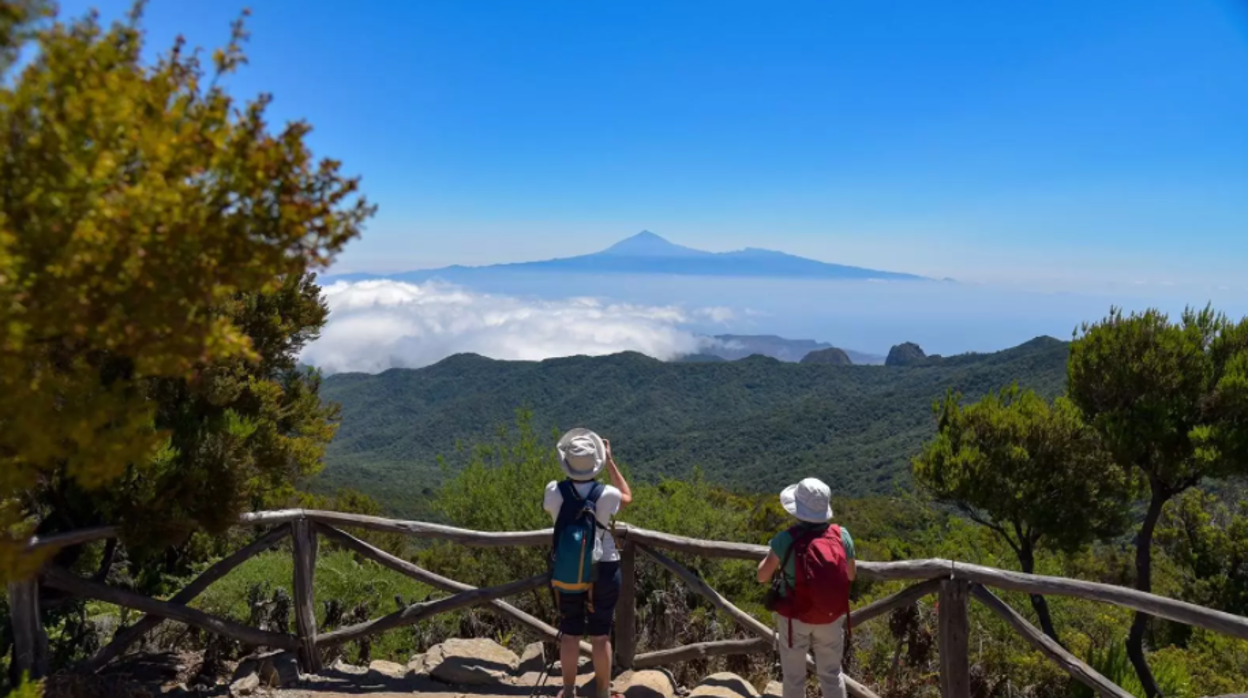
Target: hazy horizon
x: 1055, y: 158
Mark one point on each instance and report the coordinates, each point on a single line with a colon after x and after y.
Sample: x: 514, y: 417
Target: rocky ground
x: 454, y: 669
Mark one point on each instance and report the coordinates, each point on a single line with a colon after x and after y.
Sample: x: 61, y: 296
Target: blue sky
x: 1055, y: 143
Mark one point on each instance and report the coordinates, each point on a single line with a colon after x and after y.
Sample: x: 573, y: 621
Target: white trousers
x: 827, y: 641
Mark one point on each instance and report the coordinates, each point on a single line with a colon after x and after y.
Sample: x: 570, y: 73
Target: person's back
x: 815, y: 561
x: 586, y: 581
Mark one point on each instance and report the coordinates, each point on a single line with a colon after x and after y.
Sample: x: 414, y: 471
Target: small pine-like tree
x: 1170, y: 400
x: 1032, y: 472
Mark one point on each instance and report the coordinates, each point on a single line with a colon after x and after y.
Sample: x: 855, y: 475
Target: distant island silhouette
x: 648, y: 253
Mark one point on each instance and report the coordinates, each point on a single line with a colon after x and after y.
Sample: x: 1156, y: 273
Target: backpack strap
x: 595, y: 491
x: 572, y: 506
x: 835, y: 530
x: 569, y: 508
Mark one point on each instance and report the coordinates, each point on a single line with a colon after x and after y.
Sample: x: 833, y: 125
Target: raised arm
x: 617, y: 478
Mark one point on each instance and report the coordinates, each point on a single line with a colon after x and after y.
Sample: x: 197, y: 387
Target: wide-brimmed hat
x: 808, y: 500
x: 582, y: 454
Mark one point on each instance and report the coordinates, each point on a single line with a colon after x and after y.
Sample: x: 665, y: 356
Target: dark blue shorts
x: 591, y: 613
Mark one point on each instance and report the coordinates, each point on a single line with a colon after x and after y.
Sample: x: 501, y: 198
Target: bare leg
x: 602, y: 665
x: 569, y: 658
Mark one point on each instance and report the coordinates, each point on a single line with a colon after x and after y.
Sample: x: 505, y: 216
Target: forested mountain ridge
x: 753, y: 423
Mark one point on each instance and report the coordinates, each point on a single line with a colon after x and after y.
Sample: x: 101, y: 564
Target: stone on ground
x: 724, y: 685
x: 388, y: 670
x: 245, y: 685
x: 532, y: 659
x: 416, y: 665
x: 340, y: 666
x: 774, y: 689
x: 274, y: 669
x: 584, y: 675
x: 476, y: 662
x: 647, y: 683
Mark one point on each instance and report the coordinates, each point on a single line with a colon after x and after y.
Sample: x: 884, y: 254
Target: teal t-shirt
x: 783, y: 541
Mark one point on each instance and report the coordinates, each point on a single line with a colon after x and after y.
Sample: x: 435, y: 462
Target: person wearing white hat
x: 583, y: 455
x: 815, y: 559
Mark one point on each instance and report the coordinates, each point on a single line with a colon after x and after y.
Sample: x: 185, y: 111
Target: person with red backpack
x: 810, y: 568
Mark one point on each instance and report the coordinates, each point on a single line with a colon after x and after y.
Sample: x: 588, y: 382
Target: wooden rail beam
x: 417, y: 529
x: 905, y: 597
x: 1159, y: 606
x: 305, y: 598
x: 126, y: 637
x: 423, y: 575
x: 700, y: 650
x: 1045, y: 644
x: 417, y: 612
x: 57, y: 541
x: 691, y: 546
x: 746, y: 621
x: 953, y: 623
x: 626, y: 608
x: 59, y: 578
x: 30, y: 642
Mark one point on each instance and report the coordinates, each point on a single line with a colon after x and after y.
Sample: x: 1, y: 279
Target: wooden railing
x: 955, y: 583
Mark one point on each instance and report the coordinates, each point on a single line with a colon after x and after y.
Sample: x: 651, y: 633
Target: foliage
x: 1205, y: 542
x: 1031, y: 472
x: 1170, y: 400
x: 747, y: 423
x: 141, y: 206
x: 27, y: 689
x: 347, y: 589
x: 351, y: 501
x: 500, y: 489
x: 18, y: 21
x: 241, y: 434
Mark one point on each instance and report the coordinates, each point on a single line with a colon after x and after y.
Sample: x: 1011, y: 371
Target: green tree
x: 241, y: 434
x: 142, y: 211
x: 1170, y: 400
x: 1032, y: 472
x: 1206, y: 541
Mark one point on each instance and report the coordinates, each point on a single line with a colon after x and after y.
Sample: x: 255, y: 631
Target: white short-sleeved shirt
x: 607, y: 507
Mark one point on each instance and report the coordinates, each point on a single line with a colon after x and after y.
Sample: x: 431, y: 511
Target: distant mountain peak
x: 648, y: 253
x: 648, y: 244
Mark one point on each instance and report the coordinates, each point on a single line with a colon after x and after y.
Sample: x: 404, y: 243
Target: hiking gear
x: 819, y: 593
x: 808, y: 500
x: 591, y: 614
x: 550, y: 665
x: 582, y: 454
x: 575, y: 549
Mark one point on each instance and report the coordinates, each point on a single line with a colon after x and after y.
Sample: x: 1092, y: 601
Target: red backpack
x: 819, y: 594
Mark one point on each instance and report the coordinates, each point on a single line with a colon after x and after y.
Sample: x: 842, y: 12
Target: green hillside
x: 756, y: 423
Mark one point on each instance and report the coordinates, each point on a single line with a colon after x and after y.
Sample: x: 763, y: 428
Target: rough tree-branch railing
x: 955, y: 583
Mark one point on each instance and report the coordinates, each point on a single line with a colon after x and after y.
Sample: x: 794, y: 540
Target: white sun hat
x: 808, y: 500
x: 582, y: 454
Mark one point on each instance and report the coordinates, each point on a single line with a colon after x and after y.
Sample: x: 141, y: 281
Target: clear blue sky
x: 1057, y: 141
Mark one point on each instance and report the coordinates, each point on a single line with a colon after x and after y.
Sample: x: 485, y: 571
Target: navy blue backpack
x: 573, y: 564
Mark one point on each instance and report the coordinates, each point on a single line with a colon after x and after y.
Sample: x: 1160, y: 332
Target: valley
x: 749, y: 424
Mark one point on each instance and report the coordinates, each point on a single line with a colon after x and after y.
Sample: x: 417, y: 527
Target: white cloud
x: 376, y: 325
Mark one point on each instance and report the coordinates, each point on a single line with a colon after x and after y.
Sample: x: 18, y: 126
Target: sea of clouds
x: 382, y: 324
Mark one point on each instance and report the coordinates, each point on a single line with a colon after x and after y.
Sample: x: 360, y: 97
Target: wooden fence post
x: 304, y: 536
x: 954, y: 633
x: 30, y: 642
x: 626, y: 610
